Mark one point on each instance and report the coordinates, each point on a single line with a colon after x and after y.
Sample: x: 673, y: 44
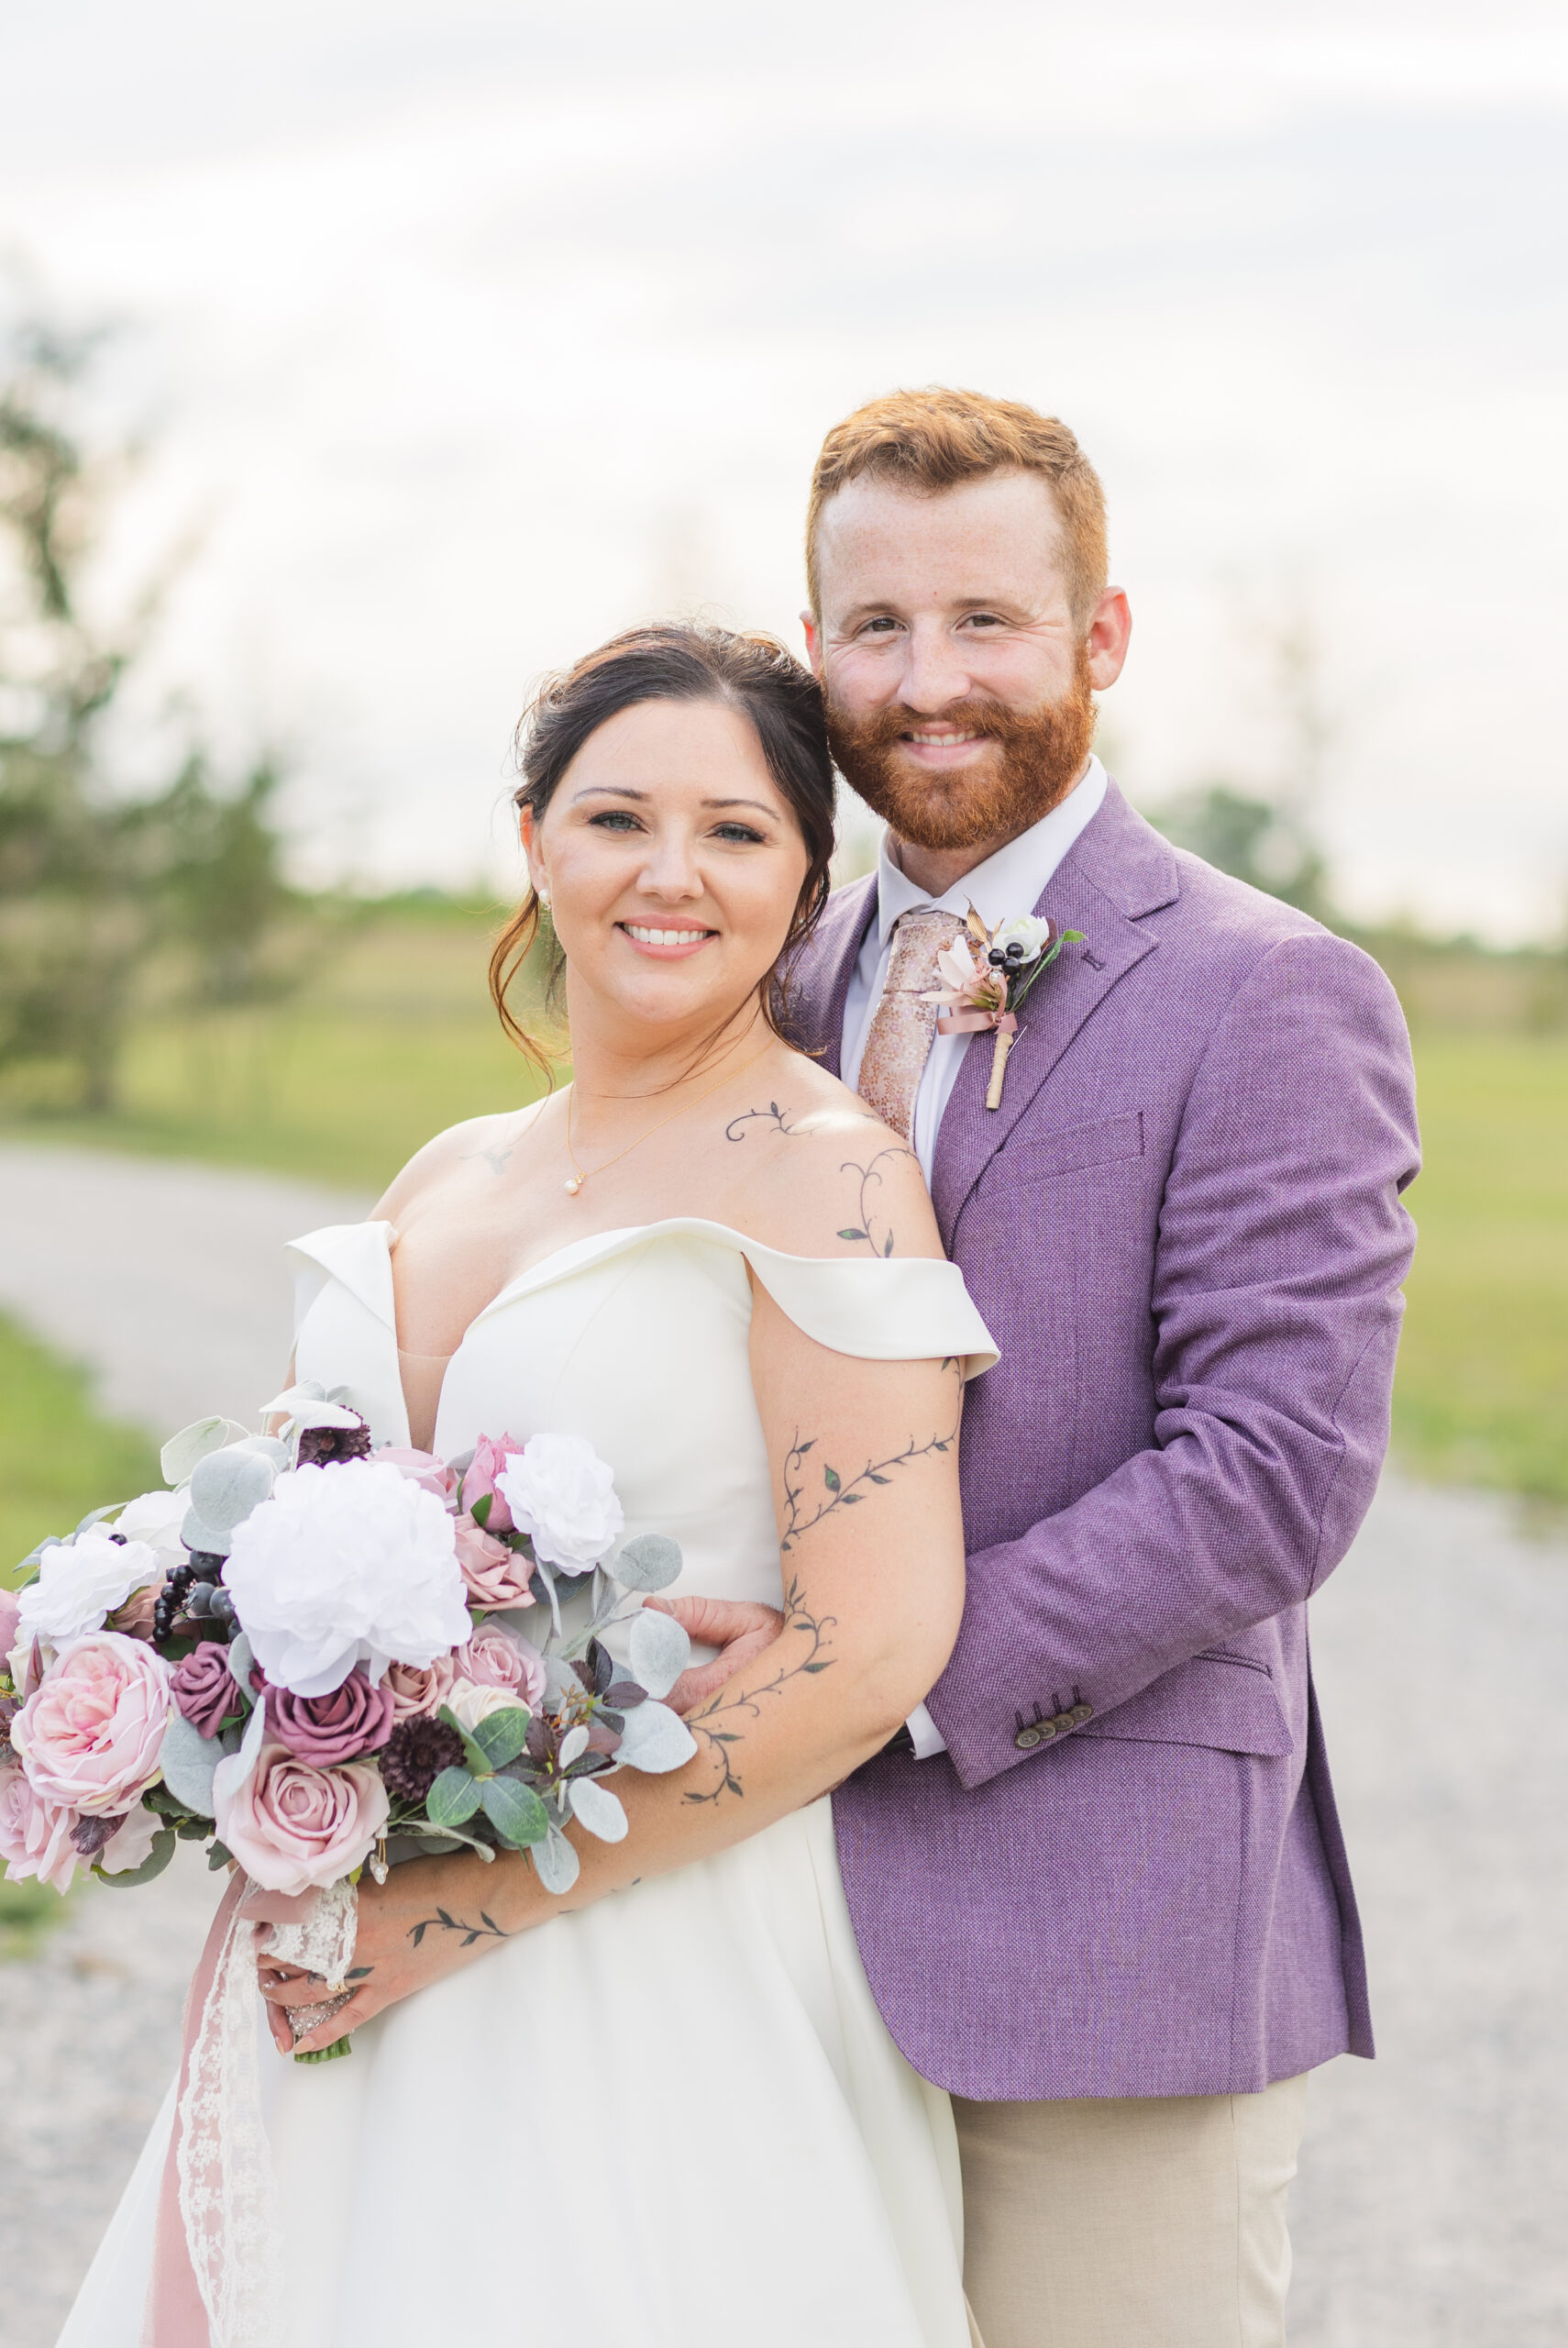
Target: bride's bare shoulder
x: 477, y: 1141
x: 824, y: 1176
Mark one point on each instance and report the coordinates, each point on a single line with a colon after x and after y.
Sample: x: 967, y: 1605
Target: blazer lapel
x: 826, y: 975
x: 1117, y: 870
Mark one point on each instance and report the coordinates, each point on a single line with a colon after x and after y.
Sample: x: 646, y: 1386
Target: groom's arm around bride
x: 1126, y: 1880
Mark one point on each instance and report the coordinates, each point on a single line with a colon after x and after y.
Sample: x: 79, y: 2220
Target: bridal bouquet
x: 315, y: 1656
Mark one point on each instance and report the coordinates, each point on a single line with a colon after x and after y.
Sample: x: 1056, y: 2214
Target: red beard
x: 1038, y: 756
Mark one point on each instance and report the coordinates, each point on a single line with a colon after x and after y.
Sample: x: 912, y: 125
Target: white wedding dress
x: 676, y: 2117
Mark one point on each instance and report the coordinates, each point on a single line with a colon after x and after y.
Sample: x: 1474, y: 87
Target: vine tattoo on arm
x: 865, y: 1226
x: 804, y: 1510
x: 487, y: 1929
x: 720, y: 1741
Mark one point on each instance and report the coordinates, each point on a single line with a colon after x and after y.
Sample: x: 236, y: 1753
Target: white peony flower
x: 1024, y: 930
x: 562, y: 1494
x: 80, y: 1584
x: 350, y: 1563
x: 471, y: 1703
x: 156, y: 1518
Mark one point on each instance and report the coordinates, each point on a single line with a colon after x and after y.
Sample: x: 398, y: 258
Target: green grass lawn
x: 1482, y: 1395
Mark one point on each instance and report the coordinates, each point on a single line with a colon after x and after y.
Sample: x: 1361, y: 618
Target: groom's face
x: 958, y: 677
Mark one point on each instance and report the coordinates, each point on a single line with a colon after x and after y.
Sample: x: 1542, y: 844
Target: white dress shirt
x: 1010, y: 882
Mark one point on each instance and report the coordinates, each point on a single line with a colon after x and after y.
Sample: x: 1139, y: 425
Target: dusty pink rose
x: 491, y: 1455
x: 35, y: 1835
x: 497, y: 1657
x: 420, y: 1468
x: 355, y: 1718
x: 134, y: 1619
x: 291, y: 1826
x: 419, y: 1688
x: 495, y: 1575
x: 203, y: 1687
x: 90, y: 1736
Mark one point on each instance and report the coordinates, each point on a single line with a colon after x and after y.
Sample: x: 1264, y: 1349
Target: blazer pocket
x: 1218, y: 1701
x: 1075, y: 1146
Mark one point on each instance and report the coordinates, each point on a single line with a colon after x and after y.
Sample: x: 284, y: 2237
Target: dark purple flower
x: 204, y: 1688
x: 415, y: 1754
x: 319, y: 1445
x: 325, y: 1730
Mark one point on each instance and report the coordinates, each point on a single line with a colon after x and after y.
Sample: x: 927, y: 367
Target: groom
x: 1101, y: 1892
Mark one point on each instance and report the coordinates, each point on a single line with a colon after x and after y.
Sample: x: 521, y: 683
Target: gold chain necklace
x: 579, y: 1175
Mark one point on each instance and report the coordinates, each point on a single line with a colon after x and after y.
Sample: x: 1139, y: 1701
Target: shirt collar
x: 1011, y: 881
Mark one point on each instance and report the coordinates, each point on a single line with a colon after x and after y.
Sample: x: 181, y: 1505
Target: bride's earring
x: 543, y: 895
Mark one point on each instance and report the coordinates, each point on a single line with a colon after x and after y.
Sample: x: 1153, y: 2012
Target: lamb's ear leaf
x: 555, y: 1863
x: 182, y: 1451
x: 650, y: 1562
x: 452, y: 1798
x: 659, y: 1649
x: 655, y: 1739
x: 598, y: 1809
x: 515, y: 1812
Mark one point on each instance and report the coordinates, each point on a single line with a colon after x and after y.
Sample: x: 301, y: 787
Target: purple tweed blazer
x: 1184, y: 1228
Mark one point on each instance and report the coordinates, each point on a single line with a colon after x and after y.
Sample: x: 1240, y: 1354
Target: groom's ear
x: 813, y: 633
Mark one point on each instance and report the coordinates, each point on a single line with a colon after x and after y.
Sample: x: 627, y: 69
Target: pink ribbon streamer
x: 972, y: 1023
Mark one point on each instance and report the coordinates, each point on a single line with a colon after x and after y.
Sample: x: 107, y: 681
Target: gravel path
x: 1428, y: 2212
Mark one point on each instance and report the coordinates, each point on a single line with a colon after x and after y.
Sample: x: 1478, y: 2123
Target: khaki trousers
x: 1136, y: 2222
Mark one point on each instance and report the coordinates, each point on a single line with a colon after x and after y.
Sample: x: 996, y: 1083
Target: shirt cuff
x: 926, y: 1737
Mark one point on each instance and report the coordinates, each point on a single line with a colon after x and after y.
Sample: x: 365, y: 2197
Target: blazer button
x: 1080, y: 1714
x: 1028, y: 1738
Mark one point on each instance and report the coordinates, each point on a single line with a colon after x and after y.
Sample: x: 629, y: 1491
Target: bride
x: 674, y: 2115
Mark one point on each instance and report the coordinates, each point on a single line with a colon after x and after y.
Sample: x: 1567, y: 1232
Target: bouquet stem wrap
x: 216, y: 2258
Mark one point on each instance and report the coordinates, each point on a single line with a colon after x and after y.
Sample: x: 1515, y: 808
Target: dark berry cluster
x: 319, y: 1446
x: 192, y: 1602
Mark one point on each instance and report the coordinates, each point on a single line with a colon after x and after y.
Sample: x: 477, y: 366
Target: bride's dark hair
x: 753, y: 674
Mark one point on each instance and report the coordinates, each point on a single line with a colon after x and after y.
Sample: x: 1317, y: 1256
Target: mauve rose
x: 420, y: 1468
x: 497, y: 1657
x: 35, y: 1835
x: 204, y: 1688
x: 134, y: 1619
x: 356, y: 1718
x: 90, y: 1735
x: 491, y: 1455
x: 495, y: 1575
x: 292, y: 1826
x: 419, y: 1688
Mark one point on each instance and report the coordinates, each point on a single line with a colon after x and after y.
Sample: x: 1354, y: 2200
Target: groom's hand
x: 737, y: 1627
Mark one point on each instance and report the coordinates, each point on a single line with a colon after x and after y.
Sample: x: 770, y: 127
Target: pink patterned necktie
x: 900, y: 1042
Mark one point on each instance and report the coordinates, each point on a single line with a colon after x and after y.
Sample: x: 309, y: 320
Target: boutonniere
x: 986, y: 974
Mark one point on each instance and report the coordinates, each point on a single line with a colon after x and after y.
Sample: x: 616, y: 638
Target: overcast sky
x: 470, y: 332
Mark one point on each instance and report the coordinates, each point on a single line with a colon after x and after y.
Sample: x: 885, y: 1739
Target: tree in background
x: 97, y: 882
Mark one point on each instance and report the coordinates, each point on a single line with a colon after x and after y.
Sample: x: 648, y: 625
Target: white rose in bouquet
x: 563, y: 1496
x: 350, y: 1563
x: 80, y: 1585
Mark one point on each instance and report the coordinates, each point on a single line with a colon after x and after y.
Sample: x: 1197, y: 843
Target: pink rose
x: 291, y: 1826
x: 495, y: 1575
x: 90, y: 1735
x: 35, y: 1835
x: 134, y: 1619
x: 204, y: 1688
x: 419, y: 1688
x: 491, y: 1456
x: 355, y: 1718
x: 497, y: 1657
x: 420, y: 1468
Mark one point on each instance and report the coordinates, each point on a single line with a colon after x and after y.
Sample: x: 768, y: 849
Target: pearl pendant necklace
x: 573, y: 1184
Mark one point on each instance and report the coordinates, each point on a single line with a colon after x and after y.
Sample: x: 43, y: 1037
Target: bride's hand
x: 737, y: 1627
x: 430, y: 1917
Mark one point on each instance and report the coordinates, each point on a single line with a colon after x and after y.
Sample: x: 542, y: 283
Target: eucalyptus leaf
x: 502, y: 1735
x: 655, y: 1739
x: 212, y: 1540
x: 595, y: 1807
x: 453, y: 1798
x: 188, y: 1760
x: 157, y: 1859
x: 182, y: 1451
x: 555, y: 1863
x: 227, y: 1485
x: 515, y: 1812
x: 659, y: 1650
x: 650, y: 1562
x: 97, y: 1516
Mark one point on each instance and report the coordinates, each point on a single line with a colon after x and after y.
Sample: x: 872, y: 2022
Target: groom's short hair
x: 933, y: 439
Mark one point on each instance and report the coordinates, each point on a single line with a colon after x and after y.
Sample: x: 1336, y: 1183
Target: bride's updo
x: 753, y: 674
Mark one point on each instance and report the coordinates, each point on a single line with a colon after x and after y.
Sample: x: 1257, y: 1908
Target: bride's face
x: 672, y: 863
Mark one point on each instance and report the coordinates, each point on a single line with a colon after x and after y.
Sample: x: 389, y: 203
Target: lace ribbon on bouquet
x: 216, y: 2258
